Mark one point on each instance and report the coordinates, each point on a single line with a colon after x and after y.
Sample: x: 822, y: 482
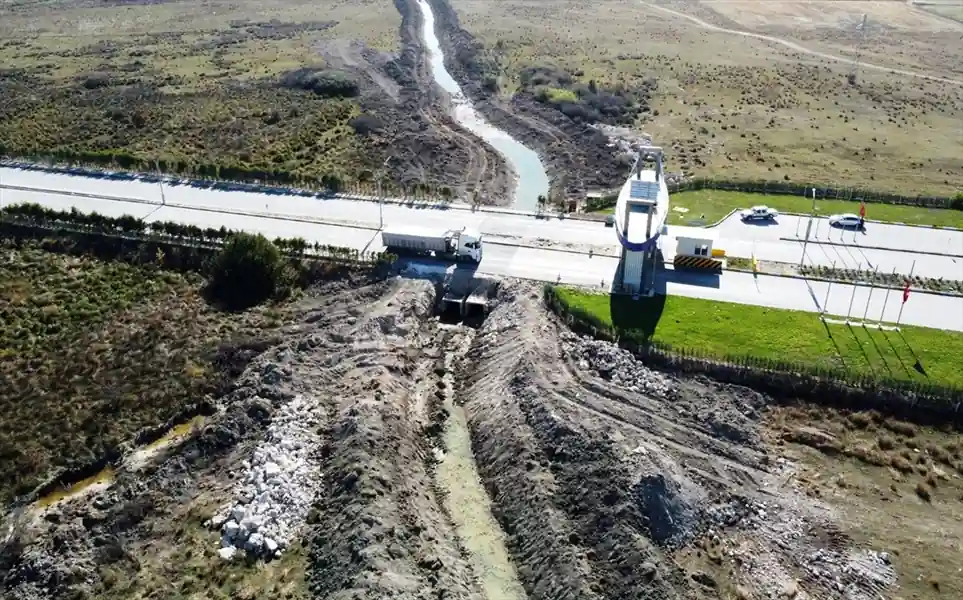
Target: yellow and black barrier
x: 697, y: 262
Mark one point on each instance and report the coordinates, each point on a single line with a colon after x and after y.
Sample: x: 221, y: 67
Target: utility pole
x: 859, y: 48
x: 160, y: 184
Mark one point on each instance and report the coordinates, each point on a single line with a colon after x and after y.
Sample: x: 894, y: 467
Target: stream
x: 532, y: 180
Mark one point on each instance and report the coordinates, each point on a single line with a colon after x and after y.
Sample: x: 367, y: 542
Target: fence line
x: 823, y: 192
x: 288, y: 182
x: 787, y: 378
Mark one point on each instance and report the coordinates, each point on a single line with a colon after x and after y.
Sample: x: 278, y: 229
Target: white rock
x: 255, y: 543
x: 279, y: 482
x: 230, y: 530
x: 227, y: 553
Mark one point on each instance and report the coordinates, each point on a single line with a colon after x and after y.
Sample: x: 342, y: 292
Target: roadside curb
x: 941, y: 227
x: 917, y: 290
x: 831, y: 243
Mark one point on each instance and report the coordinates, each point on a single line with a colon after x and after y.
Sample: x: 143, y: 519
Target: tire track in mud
x: 597, y: 490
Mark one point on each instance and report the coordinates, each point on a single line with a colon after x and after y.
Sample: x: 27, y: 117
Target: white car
x: 846, y: 221
x: 759, y: 213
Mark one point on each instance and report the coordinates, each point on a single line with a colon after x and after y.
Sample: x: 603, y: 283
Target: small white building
x: 696, y: 245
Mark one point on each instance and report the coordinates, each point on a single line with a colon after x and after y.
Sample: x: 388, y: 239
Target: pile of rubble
x: 615, y: 364
x: 276, y: 487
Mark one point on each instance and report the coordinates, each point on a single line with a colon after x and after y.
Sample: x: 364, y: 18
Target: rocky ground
x: 334, y: 470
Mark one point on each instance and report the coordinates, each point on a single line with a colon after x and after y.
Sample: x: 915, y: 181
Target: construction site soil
x: 504, y: 461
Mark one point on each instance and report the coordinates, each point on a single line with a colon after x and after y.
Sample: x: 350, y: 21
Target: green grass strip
x: 713, y: 205
x: 723, y: 329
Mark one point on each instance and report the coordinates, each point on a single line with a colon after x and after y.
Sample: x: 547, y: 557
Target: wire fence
x: 33, y: 220
x: 823, y: 192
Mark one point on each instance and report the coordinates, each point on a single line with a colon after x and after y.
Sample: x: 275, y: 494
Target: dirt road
x: 799, y: 48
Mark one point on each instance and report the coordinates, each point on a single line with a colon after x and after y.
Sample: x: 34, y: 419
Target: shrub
x: 247, y: 271
x: 327, y: 83
x: 923, y: 492
x: 365, y: 124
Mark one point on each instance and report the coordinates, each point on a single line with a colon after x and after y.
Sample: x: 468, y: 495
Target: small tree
x: 248, y: 270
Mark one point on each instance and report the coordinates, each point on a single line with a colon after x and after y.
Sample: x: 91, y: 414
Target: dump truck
x: 461, y: 245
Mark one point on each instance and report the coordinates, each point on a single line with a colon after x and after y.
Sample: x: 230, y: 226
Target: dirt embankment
x: 370, y: 362
x: 604, y: 479
x: 576, y: 156
x: 614, y: 481
x: 406, y: 120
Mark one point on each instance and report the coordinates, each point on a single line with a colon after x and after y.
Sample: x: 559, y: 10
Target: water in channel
x: 532, y: 180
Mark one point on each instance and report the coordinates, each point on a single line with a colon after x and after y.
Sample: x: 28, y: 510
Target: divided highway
x: 517, y: 244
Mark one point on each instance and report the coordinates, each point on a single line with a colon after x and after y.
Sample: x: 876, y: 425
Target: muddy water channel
x: 467, y: 501
x: 532, y: 180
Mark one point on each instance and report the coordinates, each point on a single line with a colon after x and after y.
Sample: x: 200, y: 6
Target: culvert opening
x: 465, y: 303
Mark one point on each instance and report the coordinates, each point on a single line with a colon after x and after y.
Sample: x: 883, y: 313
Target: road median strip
x: 862, y: 247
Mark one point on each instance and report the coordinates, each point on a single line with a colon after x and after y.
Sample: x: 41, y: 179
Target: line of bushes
x: 229, y: 260
x: 109, y: 162
x: 823, y: 192
x: 927, y: 402
x: 75, y: 221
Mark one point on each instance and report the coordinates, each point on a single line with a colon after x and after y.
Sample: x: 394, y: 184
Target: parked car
x: 846, y: 221
x: 759, y: 213
x: 610, y: 221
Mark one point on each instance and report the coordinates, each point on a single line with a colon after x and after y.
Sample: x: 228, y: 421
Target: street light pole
x: 885, y: 301
x: 829, y: 287
x: 381, y: 194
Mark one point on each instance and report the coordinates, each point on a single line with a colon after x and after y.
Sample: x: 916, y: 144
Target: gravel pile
x: 615, y: 364
x: 276, y: 487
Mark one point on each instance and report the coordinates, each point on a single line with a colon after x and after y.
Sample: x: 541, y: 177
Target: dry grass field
x: 779, y: 107
x: 897, y: 486
x: 183, y: 81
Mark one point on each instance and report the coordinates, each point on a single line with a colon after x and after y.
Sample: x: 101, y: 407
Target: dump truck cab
x: 467, y: 243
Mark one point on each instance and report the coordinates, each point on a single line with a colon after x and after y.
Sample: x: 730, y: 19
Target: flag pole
x: 872, y: 286
x: 882, y: 313
x: 900, y: 315
x: 853, y: 297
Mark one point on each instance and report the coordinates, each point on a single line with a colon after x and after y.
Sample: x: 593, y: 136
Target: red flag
x: 906, y: 293
x: 862, y: 209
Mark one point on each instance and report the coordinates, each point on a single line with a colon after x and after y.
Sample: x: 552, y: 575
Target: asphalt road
x: 906, y: 248
x: 543, y: 264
